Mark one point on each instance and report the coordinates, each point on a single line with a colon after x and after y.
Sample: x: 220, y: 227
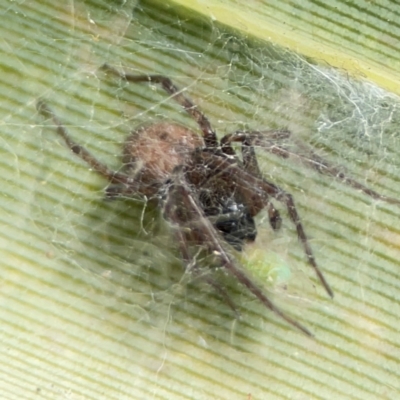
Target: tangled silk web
x: 238, y: 85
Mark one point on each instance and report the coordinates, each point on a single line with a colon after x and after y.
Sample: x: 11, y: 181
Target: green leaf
x: 94, y: 299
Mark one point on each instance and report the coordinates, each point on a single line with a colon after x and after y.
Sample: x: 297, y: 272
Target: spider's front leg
x: 210, y: 138
x: 250, y: 165
x: 191, y: 265
x: 183, y: 210
x: 257, y: 192
x: 283, y: 144
x: 120, y: 183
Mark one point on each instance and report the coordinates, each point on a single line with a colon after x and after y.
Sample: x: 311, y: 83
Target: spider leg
x: 257, y: 191
x: 192, y: 266
x: 271, y: 141
x: 249, y: 157
x: 125, y: 182
x: 210, y: 137
x: 250, y: 165
x: 324, y: 167
x: 192, y: 219
x: 224, y: 295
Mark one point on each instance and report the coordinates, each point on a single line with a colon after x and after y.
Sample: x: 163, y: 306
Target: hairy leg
x: 250, y: 165
x: 283, y: 144
x: 126, y: 182
x: 193, y: 220
x: 210, y: 137
x: 258, y: 191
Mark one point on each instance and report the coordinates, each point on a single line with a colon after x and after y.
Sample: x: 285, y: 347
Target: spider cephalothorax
x: 205, y: 190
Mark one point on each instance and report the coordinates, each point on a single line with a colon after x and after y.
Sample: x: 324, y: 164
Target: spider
x: 207, y: 193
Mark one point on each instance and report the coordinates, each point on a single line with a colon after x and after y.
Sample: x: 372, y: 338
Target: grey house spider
x: 206, y: 192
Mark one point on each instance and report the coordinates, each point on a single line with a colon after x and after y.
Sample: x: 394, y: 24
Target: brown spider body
x: 206, y: 192
x: 152, y: 152
x: 222, y: 200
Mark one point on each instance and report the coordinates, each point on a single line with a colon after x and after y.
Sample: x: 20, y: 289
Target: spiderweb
x: 238, y: 84
x: 118, y: 261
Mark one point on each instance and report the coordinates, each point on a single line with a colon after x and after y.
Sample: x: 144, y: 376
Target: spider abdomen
x: 152, y: 152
